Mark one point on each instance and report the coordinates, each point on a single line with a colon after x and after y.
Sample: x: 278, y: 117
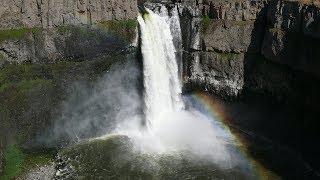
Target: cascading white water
x: 163, y: 89
x: 171, y: 128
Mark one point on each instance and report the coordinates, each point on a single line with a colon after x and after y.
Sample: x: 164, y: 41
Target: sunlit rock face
x: 216, y: 37
x: 251, y: 33
x: 49, y: 14
x: 46, y: 31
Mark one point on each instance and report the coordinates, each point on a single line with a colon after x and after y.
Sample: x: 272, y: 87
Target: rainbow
x: 213, y: 109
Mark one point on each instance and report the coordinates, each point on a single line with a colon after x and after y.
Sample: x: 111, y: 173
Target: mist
x: 93, y: 110
x: 149, y: 110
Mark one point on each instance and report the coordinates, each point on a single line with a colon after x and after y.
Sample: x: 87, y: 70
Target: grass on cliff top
x: 125, y: 29
x: 16, y: 162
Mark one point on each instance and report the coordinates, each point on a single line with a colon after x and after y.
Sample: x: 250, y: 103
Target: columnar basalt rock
x: 49, y: 30
x: 53, y: 13
x: 278, y: 31
x: 293, y: 35
x: 228, y: 29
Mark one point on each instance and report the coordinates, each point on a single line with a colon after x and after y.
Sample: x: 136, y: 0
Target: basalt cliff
x: 232, y: 48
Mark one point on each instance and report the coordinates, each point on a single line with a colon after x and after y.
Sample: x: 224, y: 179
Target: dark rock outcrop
x: 293, y: 35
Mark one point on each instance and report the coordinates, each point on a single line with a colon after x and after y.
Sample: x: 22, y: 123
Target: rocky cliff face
x: 217, y: 36
x: 231, y: 45
x: 293, y: 35
x: 53, y: 13
x: 44, y: 31
x: 37, y: 37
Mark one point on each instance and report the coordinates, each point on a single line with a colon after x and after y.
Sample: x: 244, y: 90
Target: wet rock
x: 115, y: 157
x: 41, y: 173
x: 221, y: 73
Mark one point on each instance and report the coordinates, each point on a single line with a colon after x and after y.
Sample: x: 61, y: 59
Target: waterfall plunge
x: 161, y: 78
x: 170, y: 127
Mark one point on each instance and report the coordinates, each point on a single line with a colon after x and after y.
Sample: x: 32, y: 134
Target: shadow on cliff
x: 279, y: 105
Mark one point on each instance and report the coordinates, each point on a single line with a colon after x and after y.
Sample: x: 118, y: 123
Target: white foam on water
x: 170, y: 128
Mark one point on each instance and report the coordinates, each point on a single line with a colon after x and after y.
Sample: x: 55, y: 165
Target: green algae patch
x: 37, y: 159
x: 6, y: 86
x: 17, y: 162
x: 31, y: 93
x: 81, y: 30
x: 1, y: 56
x: 124, y: 29
x: 13, y: 158
x: 205, y: 23
x: 12, y: 34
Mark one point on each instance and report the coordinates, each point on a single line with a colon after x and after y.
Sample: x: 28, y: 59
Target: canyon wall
x: 53, y: 13
x: 269, y: 47
x: 230, y: 47
x: 49, y: 30
x: 46, y: 46
x: 226, y: 43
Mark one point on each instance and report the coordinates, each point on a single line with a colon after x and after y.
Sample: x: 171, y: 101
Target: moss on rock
x: 124, y: 29
x: 17, y: 162
x: 205, y: 23
x: 1, y: 57
x: 12, y: 34
x: 30, y: 93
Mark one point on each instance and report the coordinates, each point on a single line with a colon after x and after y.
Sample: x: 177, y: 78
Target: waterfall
x: 162, y: 84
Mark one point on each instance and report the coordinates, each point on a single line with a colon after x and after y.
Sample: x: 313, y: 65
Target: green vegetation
x: 124, y: 29
x: 36, y: 159
x: 205, y: 23
x: 13, y: 73
x: 84, y: 30
x: 13, y: 34
x: 13, y: 162
x: 18, y: 163
x: 30, y: 92
x: 1, y: 56
x: 5, y: 86
x: 64, y: 29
